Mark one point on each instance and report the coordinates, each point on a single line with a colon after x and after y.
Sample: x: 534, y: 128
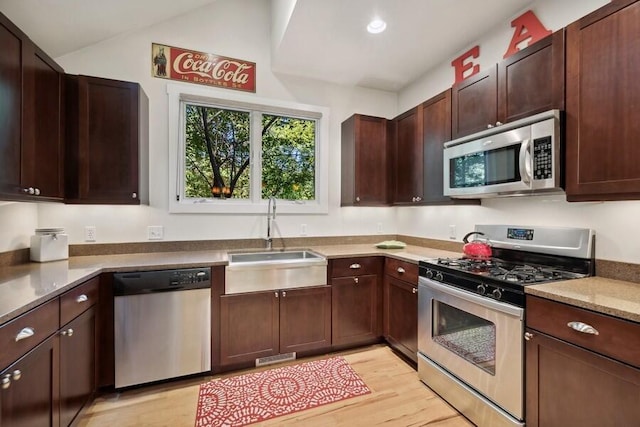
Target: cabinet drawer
x: 616, y: 338
x: 355, y: 266
x: 78, y: 300
x: 401, y: 270
x: 22, y: 334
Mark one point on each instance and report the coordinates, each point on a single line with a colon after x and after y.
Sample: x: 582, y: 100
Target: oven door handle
x: 473, y: 298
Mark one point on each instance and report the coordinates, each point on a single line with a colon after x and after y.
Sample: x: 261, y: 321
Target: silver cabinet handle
x: 583, y: 327
x: 284, y: 294
x: 29, y: 190
x: 357, y: 199
x: 25, y: 333
x: 134, y: 195
x: 276, y: 294
x: 498, y: 123
x: 67, y: 333
x: 355, y: 280
x: 528, y: 336
x: 6, y: 381
x: 82, y: 298
x: 355, y: 266
x: 17, y: 374
x: 400, y: 270
x: 489, y: 126
x: 414, y: 290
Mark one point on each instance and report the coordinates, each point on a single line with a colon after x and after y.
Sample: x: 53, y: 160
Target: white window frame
x: 178, y: 94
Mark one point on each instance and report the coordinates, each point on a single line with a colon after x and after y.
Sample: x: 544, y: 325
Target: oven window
x: 466, y: 335
x: 485, y: 168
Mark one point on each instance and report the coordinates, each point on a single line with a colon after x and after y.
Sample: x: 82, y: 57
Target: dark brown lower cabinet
x: 305, y: 319
x: 261, y: 324
x: 77, y: 365
x: 29, y: 392
x: 355, y: 315
x: 567, y: 385
x: 400, y: 324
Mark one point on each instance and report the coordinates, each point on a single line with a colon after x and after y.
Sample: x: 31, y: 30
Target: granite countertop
x: 608, y: 296
x: 25, y: 286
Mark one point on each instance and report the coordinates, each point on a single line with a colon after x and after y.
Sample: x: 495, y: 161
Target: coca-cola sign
x: 168, y: 62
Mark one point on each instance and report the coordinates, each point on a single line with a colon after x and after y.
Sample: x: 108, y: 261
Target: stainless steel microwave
x: 517, y: 158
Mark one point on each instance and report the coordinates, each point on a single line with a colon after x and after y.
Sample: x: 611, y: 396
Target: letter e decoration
x: 461, y: 67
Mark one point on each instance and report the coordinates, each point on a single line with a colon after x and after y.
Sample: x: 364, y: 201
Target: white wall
x: 240, y: 29
x: 235, y: 28
x: 618, y: 237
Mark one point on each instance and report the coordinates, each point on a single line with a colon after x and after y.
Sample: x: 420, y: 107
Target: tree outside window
x: 218, y: 151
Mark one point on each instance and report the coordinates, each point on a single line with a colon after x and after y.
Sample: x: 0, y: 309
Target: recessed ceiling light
x: 376, y: 26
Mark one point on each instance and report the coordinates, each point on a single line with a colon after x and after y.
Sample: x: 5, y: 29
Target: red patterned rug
x: 259, y: 396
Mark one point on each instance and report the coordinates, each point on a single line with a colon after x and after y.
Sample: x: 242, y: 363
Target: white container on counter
x: 49, y: 244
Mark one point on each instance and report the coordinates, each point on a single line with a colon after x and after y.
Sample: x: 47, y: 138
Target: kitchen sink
x: 274, y: 270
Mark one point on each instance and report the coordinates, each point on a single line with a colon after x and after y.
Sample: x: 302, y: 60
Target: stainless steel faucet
x: 271, y: 216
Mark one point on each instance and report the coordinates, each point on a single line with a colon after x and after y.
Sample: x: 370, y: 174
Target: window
x: 231, y: 154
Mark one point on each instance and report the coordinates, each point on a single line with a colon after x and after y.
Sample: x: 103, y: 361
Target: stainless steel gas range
x: 471, y: 316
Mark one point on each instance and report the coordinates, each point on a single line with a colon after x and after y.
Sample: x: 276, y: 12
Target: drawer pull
x: 528, y: 336
x: 82, y: 298
x: 17, y: 374
x: 400, y: 270
x: 67, y: 333
x: 583, y: 327
x: 355, y: 266
x: 414, y: 290
x: 6, y: 381
x: 25, y: 333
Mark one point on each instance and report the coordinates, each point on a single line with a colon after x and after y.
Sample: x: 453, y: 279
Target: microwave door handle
x: 525, y: 161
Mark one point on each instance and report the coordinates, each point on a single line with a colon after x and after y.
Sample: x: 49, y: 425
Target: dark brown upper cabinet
x: 419, y: 138
x: 107, y: 140
x: 603, y: 96
x: 528, y: 82
x: 365, y: 161
x: 409, y: 168
x: 31, y: 120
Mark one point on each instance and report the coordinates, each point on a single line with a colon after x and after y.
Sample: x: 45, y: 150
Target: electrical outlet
x: 155, y: 232
x: 90, y: 233
x: 379, y: 228
x: 452, y: 232
x: 303, y: 229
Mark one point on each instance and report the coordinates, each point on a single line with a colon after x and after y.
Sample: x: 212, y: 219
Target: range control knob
x: 482, y: 289
x: 428, y: 274
x: 439, y: 277
x: 497, y: 293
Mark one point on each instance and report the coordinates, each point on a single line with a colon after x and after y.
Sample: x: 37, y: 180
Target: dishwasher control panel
x: 143, y: 282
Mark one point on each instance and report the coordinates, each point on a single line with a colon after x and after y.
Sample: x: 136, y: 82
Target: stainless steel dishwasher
x: 162, y: 325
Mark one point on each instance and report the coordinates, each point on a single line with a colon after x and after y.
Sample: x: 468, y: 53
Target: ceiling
x: 324, y: 39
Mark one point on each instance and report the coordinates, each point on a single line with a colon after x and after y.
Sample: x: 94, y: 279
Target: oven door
x: 476, y: 339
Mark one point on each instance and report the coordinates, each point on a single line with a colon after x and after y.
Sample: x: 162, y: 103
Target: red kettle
x: 476, y: 248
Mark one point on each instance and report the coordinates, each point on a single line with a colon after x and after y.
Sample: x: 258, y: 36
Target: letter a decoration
x: 527, y: 27
x: 174, y: 63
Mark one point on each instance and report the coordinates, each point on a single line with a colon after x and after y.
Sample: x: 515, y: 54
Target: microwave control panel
x: 542, y: 158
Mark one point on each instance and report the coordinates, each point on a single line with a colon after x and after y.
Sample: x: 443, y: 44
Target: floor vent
x: 269, y: 360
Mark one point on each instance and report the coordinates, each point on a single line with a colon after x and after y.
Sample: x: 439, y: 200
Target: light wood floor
x: 397, y: 398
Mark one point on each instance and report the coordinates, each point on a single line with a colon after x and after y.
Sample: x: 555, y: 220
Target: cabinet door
x: 42, y: 148
x: 532, y: 80
x: 354, y: 310
x: 365, y: 165
x: 103, y: 149
x: 401, y: 316
x: 569, y: 386
x: 305, y: 319
x: 249, y: 326
x: 10, y: 108
x: 474, y: 103
x: 30, y: 396
x: 77, y: 365
x: 409, y: 157
x: 603, y: 95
